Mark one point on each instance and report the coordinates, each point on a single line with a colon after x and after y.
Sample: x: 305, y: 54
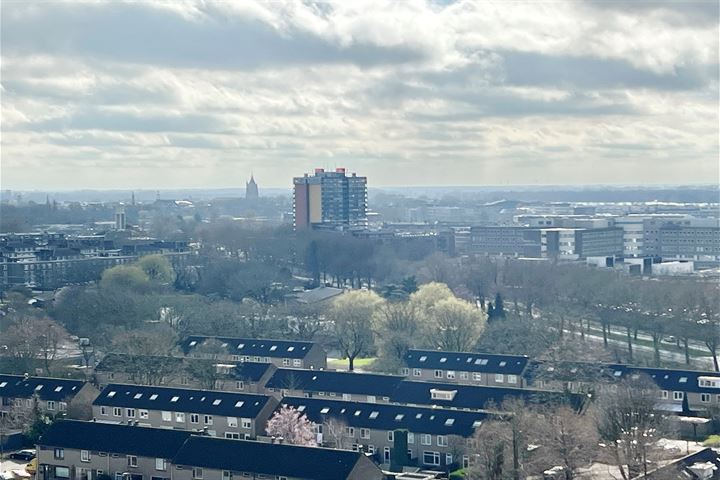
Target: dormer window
x: 706, y: 382
x: 437, y: 394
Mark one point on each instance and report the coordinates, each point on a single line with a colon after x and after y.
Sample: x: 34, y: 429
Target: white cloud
x: 406, y: 92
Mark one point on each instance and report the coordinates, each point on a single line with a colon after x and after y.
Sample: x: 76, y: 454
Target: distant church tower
x: 251, y: 189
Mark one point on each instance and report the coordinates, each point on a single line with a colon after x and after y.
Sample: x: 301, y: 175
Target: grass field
x: 342, y: 363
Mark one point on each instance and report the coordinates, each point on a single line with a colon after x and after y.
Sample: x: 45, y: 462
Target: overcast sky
x: 199, y: 94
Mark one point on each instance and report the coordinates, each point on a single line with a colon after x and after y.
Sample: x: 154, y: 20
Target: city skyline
x: 450, y: 94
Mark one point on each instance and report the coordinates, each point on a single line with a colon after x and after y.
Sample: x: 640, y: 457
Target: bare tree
x: 628, y: 424
x: 569, y: 439
x: 335, y: 433
x: 292, y: 426
x: 397, y: 328
x: 31, y: 338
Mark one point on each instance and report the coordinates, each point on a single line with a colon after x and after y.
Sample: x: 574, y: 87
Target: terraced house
x: 362, y: 387
x: 216, y: 413
x: 53, y: 395
x: 463, y: 367
x: 436, y: 437
x: 72, y: 450
x: 282, y: 353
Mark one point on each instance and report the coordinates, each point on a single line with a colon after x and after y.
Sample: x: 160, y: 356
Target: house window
x: 84, y: 455
x: 448, y: 459
x: 103, y: 411
x: 477, y: 377
x: 208, y: 420
x: 426, y: 439
x: 391, y: 436
x: 431, y: 458
x: 512, y: 379
x: 166, y: 417
x: 232, y: 435
x: 240, y: 385
x: 450, y: 374
x: 371, y: 449
x: 160, y: 464
x: 499, y: 378
x: 246, y: 423
x: 130, y: 412
x: 417, y: 372
x: 411, y: 437
x: 405, y: 371
x: 143, y: 414
x: 678, y: 395
x: 50, y: 405
x: 664, y: 394
x: 197, y: 473
x: 463, y: 375
x: 62, y: 406
x: 705, y: 397
x: 179, y: 417
x: 350, y: 431
x: 466, y: 461
x: 297, y: 363
x: 232, y: 422
x: 132, y: 461
x: 442, y: 441
x: 117, y: 411
x: 364, y: 433
x: 438, y: 373
x: 227, y: 475
x: 62, y: 472
x: 286, y: 362
x: 59, y: 454
x: 386, y: 454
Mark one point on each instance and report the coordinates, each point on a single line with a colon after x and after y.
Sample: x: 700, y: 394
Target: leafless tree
x: 335, y: 433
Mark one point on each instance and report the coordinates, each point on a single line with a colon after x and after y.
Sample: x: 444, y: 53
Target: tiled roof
x: 467, y: 362
x: 338, y: 382
x: 58, y: 389
x: 476, y: 397
x: 253, y: 346
x: 268, y: 459
x: 378, y: 416
x: 114, y: 438
x: 182, y: 400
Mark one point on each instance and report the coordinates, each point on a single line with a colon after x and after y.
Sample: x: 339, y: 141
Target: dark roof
x: 466, y: 361
x: 477, y: 397
x: 58, y: 389
x: 667, y: 379
x: 182, y: 400
x: 379, y: 416
x: 339, y: 382
x: 314, y: 295
x: 268, y: 459
x: 690, y: 466
x: 664, y: 378
x: 114, y: 438
x: 253, y: 346
x: 250, y: 371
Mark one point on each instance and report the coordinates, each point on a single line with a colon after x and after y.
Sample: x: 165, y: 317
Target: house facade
x: 54, y: 396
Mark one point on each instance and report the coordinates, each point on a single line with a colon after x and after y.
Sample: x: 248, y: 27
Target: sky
x: 199, y: 94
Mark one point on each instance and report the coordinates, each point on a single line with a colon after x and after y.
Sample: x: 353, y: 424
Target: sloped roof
x: 466, y: 361
x: 262, y: 347
x: 58, y: 389
x: 209, y: 402
x: 339, y: 382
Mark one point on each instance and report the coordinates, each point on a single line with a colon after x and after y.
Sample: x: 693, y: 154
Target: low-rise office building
x: 222, y: 414
x: 463, y: 367
x: 281, y: 353
x: 54, y: 396
x: 436, y: 437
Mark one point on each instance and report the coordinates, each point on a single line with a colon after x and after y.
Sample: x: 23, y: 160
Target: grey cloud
x: 703, y: 13
x: 129, y: 122
x: 131, y: 32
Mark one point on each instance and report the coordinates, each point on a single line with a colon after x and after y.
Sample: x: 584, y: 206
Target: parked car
x: 25, y: 455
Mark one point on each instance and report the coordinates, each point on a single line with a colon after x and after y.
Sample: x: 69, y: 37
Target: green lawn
x: 342, y: 363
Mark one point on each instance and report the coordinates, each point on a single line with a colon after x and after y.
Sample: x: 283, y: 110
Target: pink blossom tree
x: 292, y: 426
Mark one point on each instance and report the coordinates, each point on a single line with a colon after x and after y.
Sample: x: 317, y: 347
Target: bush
x: 713, y: 441
x: 458, y: 474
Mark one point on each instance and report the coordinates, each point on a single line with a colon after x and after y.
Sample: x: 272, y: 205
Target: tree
x: 292, y: 426
x: 498, y: 309
x: 351, y: 316
x: 335, y: 434
x: 569, y: 439
x: 30, y: 338
x: 627, y: 423
x: 429, y: 294
x: 158, y: 340
x: 455, y: 325
x: 158, y: 268
x: 397, y: 329
x: 204, y: 368
x: 126, y: 277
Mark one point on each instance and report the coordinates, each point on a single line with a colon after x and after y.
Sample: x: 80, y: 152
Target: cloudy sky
x: 199, y: 94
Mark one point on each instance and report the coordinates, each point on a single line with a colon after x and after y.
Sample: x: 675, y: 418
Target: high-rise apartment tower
x: 330, y: 200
